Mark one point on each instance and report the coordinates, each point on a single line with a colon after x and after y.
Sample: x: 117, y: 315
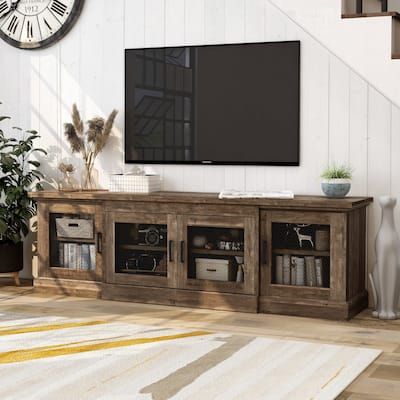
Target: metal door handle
x: 182, y: 251
x: 264, y: 252
x: 99, y: 243
x: 171, y: 250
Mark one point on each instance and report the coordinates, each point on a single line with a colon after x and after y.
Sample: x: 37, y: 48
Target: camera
x: 153, y: 236
x: 142, y: 262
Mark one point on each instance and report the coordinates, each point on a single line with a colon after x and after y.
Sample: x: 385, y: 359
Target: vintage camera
x: 153, y: 236
x: 141, y: 262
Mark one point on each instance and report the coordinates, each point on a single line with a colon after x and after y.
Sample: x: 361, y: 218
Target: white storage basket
x: 74, y: 228
x: 135, y: 183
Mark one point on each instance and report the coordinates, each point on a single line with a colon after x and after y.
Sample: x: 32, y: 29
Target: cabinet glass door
x: 296, y: 255
x: 301, y: 254
x: 73, y: 242
x: 143, y: 249
x: 217, y: 254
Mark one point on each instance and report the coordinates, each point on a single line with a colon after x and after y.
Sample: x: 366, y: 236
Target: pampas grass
x: 91, y: 142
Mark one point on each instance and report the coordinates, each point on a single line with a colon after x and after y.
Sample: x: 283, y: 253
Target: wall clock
x: 33, y: 24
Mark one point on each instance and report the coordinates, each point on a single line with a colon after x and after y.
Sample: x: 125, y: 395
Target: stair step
x: 374, y: 14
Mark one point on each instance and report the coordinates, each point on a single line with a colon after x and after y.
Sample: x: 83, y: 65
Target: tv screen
x: 218, y: 104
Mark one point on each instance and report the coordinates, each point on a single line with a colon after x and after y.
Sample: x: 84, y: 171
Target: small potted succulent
x: 336, y: 181
x: 18, y: 174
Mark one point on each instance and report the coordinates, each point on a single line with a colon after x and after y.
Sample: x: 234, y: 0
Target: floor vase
x: 385, y: 278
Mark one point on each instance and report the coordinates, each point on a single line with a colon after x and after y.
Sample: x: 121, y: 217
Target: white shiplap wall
x: 343, y: 118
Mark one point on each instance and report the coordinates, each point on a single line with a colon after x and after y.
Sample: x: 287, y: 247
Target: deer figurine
x: 303, y: 238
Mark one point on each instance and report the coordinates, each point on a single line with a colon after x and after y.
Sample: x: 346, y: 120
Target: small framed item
x: 74, y: 228
x: 215, y: 269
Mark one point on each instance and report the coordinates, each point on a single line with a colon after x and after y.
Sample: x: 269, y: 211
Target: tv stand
x: 193, y: 249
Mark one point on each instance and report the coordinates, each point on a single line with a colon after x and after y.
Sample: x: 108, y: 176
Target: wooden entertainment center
x: 304, y: 256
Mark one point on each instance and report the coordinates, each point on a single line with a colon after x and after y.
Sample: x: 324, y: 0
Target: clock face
x: 32, y: 24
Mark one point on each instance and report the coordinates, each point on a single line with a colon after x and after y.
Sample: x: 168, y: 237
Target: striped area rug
x: 54, y: 358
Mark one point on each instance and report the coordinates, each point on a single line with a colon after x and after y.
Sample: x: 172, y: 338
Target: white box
x: 135, y: 183
x: 214, y: 269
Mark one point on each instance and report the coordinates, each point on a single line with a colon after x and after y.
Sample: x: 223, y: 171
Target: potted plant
x: 336, y: 181
x: 18, y: 173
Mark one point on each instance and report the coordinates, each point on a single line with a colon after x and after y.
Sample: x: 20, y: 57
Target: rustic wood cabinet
x: 304, y: 256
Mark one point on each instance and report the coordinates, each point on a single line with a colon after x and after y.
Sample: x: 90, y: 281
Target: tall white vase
x: 385, y: 278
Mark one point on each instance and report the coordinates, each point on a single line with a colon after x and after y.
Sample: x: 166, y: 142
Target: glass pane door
x: 72, y: 242
x: 216, y: 254
x: 301, y: 254
x: 141, y: 249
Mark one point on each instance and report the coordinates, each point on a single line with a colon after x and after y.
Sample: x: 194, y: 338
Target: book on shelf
x: 61, y: 254
x: 85, y: 257
x: 279, y: 270
x: 300, y: 272
x: 92, y: 252
x: 77, y: 256
x: 319, y: 272
x: 286, y: 269
x: 293, y: 270
x: 310, y: 271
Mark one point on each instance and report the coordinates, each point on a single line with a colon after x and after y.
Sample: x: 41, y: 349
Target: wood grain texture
x: 345, y: 296
x: 302, y: 202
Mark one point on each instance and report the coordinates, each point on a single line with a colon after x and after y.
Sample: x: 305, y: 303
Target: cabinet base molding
x: 182, y: 298
x: 313, y: 308
x: 68, y: 287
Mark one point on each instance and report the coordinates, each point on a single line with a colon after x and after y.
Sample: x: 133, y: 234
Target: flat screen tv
x: 217, y: 104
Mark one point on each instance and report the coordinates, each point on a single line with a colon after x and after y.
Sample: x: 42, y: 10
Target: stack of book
x: 77, y: 256
x: 299, y: 271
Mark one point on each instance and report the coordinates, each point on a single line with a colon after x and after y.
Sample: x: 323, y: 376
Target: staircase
x: 376, y: 8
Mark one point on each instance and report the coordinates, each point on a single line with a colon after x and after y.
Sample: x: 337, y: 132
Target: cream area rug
x: 55, y: 358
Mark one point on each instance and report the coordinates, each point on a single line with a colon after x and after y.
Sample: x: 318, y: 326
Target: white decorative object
x: 385, y: 278
x: 135, y: 183
x: 237, y: 194
x: 303, y: 238
x: 240, y: 274
x: 199, y: 241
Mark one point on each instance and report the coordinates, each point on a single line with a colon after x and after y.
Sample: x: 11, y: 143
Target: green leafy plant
x: 337, y: 172
x: 18, y: 174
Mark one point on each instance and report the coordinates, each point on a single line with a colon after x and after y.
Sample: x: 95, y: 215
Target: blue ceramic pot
x: 336, y: 187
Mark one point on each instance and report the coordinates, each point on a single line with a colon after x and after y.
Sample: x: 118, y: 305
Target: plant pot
x: 11, y: 256
x: 336, y: 188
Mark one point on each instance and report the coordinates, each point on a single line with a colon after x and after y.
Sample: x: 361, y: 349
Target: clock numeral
x: 3, y: 7
x: 59, y: 8
x: 47, y: 24
x: 13, y: 25
x: 29, y: 30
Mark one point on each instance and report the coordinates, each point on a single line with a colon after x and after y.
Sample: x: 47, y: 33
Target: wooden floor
x: 381, y: 381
